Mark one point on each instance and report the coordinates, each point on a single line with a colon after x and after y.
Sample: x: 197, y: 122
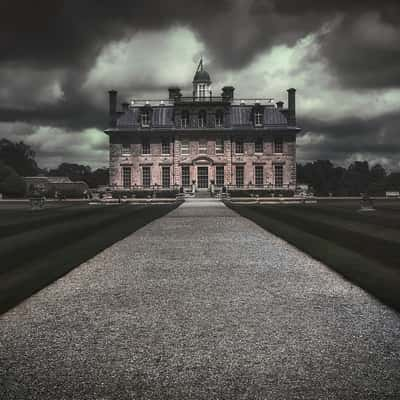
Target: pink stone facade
x: 131, y: 156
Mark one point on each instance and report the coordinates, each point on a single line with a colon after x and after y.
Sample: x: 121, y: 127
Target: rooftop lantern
x: 201, y: 83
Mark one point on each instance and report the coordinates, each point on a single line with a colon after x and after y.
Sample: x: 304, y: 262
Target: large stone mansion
x: 203, y: 139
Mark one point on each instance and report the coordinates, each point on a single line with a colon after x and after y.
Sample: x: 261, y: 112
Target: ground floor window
x: 146, y: 177
x: 259, y: 175
x: 185, y: 176
x: 219, y: 175
x: 239, y: 175
x: 126, y: 177
x: 278, y: 175
x: 166, y: 177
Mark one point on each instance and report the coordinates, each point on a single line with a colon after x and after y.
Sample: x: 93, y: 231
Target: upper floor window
x: 185, y: 147
x: 258, y: 118
x: 219, y: 119
x: 184, y: 119
x: 145, y: 147
x: 165, y: 146
x: 201, y: 122
x: 239, y: 146
x: 219, y: 145
x: 278, y: 145
x: 258, y: 146
x: 203, y: 146
x: 145, y: 118
x: 126, y: 147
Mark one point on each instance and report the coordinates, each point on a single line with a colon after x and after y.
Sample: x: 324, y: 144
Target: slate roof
x: 240, y: 116
x: 130, y: 119
x: 272, y: 116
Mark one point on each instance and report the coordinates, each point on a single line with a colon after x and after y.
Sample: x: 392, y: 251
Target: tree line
x: 18, y: 160
x: 324, y: 178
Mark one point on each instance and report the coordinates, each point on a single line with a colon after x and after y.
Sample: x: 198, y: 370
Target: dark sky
x: 59, y: 58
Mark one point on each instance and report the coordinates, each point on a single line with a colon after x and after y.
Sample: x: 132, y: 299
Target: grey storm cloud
x: 375, y: 139
x: 60, y: 34
x: 49, y: 48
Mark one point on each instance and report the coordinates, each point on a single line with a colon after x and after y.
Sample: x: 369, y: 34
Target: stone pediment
x: 202, y: 160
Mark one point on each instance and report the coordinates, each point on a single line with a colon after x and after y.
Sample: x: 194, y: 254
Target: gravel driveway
x: 200, y: 304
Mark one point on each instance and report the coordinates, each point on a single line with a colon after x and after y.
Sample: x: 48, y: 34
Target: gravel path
x: 200, y: 304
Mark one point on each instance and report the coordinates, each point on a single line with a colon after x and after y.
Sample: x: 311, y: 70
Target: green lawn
x: 38, y: 247
x: 362, y: 246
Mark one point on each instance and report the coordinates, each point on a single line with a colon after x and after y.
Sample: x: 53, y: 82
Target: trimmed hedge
x: 143, y: 194
x: 261, y: 193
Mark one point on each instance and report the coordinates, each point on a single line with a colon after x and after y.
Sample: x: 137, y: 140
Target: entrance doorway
x: 202, y: 177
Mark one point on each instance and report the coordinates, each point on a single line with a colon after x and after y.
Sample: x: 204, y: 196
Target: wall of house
x: 132, y: 156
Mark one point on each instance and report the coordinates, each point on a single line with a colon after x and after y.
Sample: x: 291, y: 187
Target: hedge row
x: 143, y: 194
x: 261, y: 193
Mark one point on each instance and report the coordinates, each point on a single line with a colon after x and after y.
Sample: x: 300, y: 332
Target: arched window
x: 185, y: 119
x: 201, y: 122
x: 219, y: 119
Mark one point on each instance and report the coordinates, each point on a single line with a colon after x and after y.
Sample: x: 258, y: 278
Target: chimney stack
x: 227, y: 93
x: 125, y: 107
x: 292, y: 107
x: 279, y: 105
x: 113, y: 107
x: 113, y: 102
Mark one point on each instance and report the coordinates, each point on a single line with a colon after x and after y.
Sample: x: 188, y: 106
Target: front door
x: 202, y: 177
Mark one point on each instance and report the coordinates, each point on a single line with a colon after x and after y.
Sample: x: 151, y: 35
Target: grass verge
x: 35, y: 257
x: 361, y: 259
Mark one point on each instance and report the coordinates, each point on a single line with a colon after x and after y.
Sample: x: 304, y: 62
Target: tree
x: 99, y: 177
x: 377, y: 180
x: 392, y: 182
x: 356, y: 178
x: 11, y: 184
x: 75, y: 172
x: 18, y: 156
x: 321, y: 175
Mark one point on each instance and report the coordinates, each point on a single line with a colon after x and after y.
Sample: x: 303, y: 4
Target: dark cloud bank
x: 62, y: 39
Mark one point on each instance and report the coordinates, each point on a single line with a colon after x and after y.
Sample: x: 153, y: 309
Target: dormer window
x: 201, y: 122
x: 258, y: 119
x: 185, y: 119
x: 219, y: 119
x: 145, y: 119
